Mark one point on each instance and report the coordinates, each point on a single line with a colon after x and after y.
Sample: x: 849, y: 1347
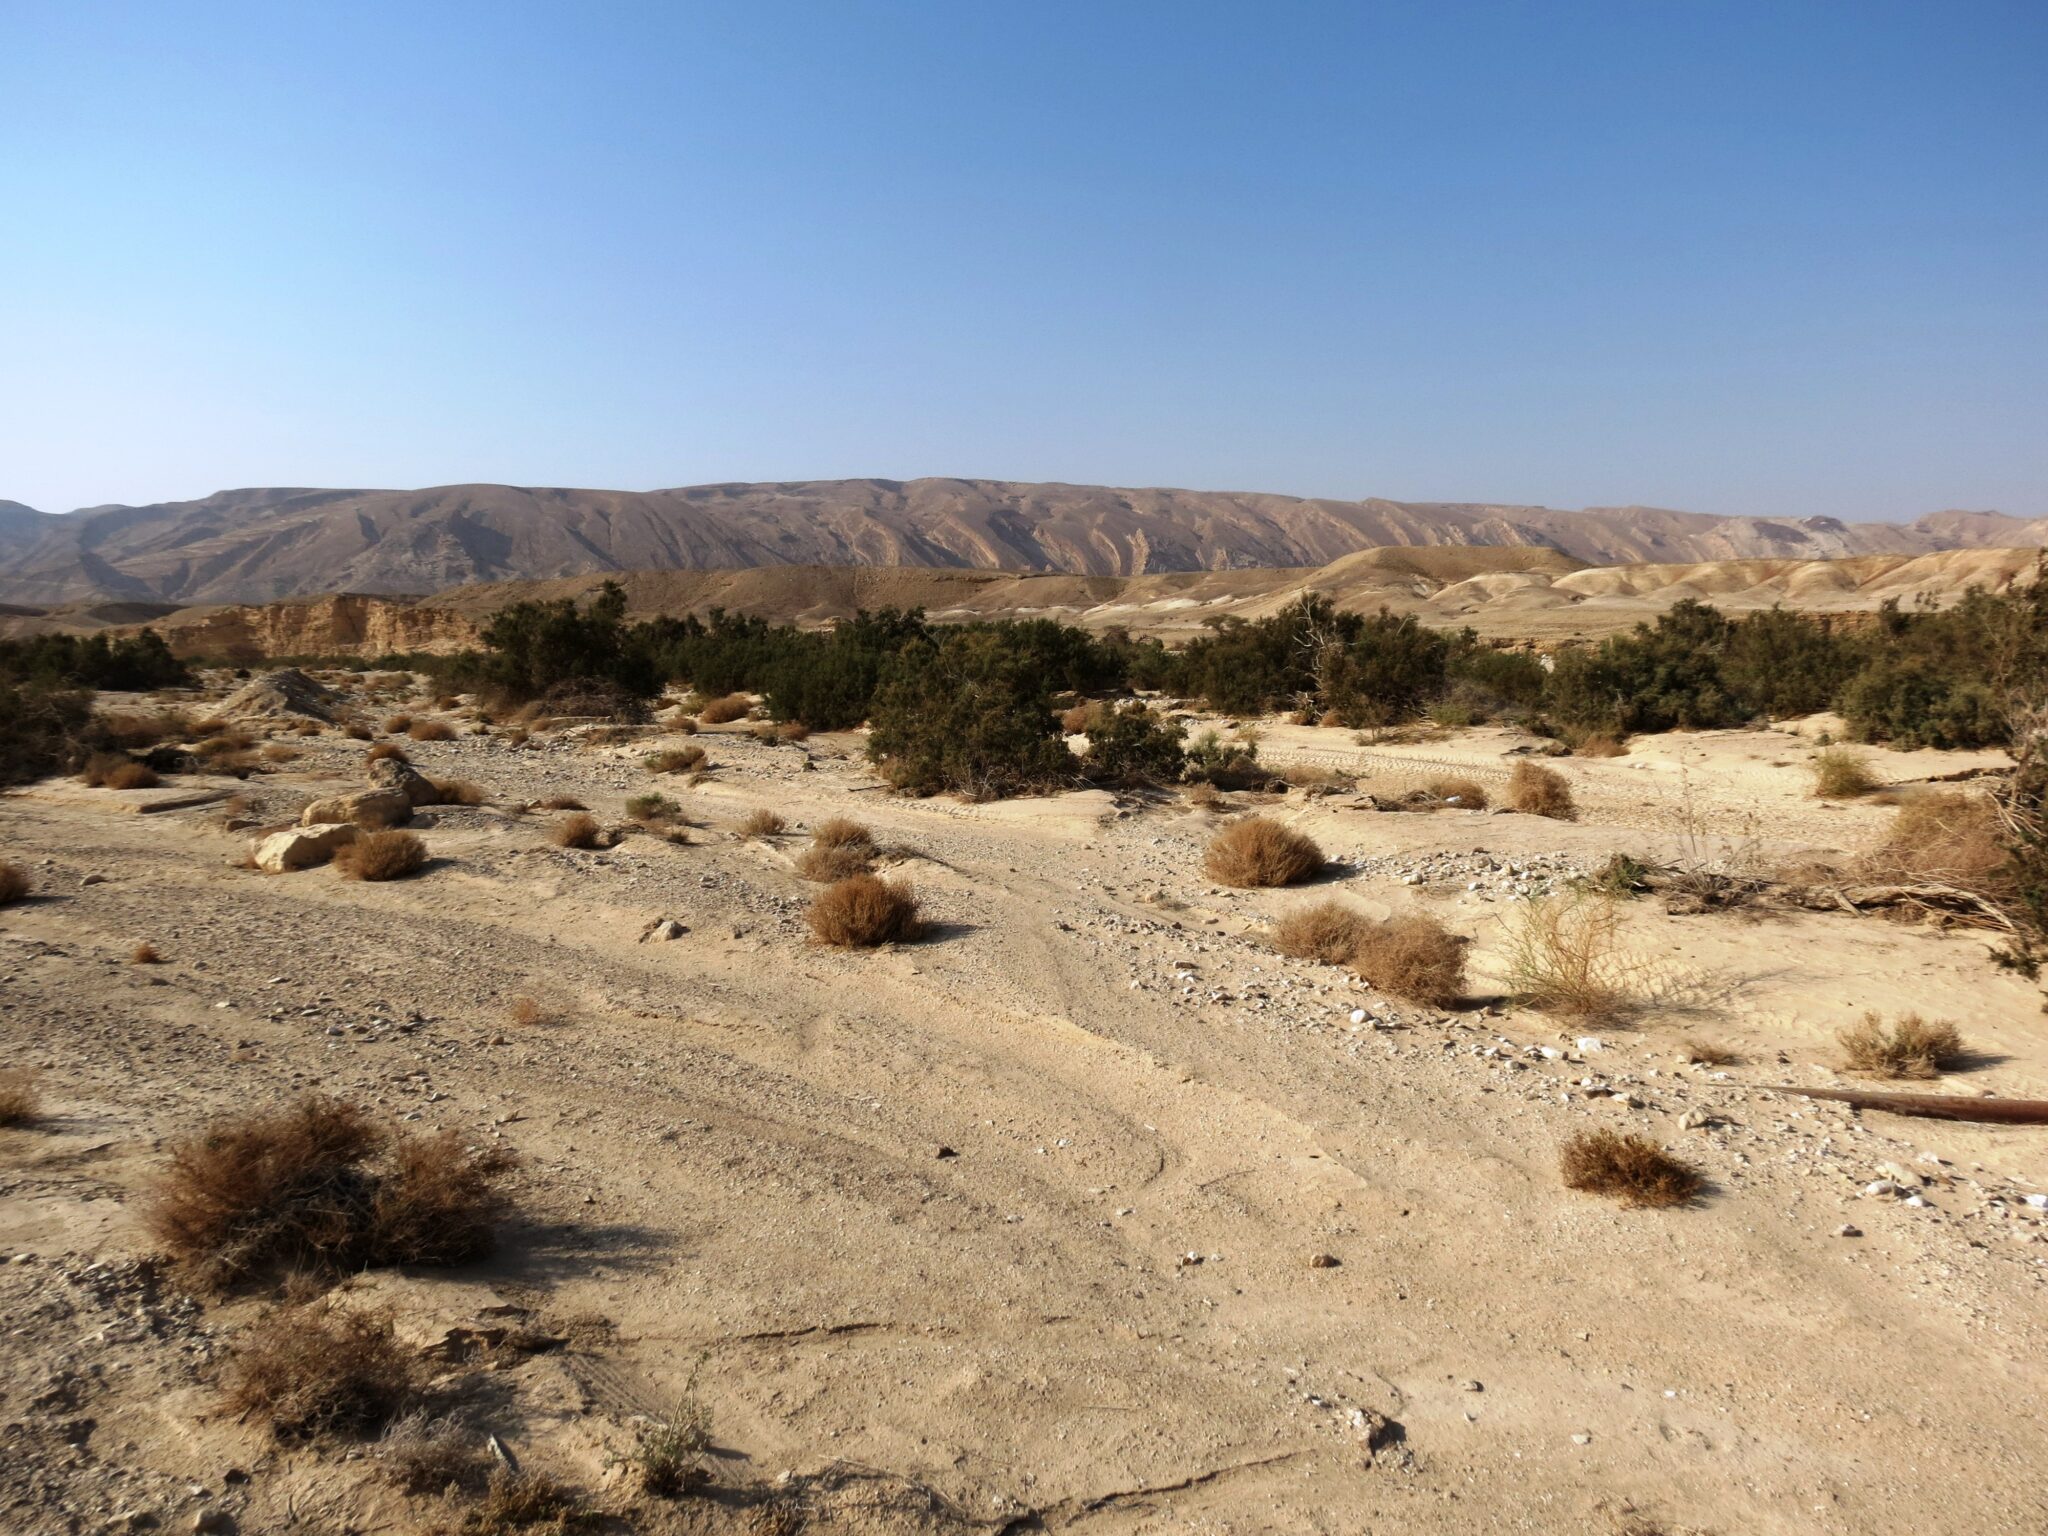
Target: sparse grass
x: 1841, y: 773
x: 430, y: 730
x: 666, y: 1456
x: 144, y: 954
x: 386, y: 751
x: 1949, y: 838
x: 675, y: 760
x: 653, y: 810
x: 424, y: 1453
x: 1908, y: 1047
x: 683, y: 724
x: 863, y: 910
x: 782, y: 733
x: 1564, y: 957
x: 1622, y: 875
x: 13, y: 882
x: 1538, y: 791
x: 1204, y: 796
x: 312, y: 1370
x: 520, y: 1501
x: 734, y: 706
x: 1326, y: 931
x: 114, y: 770
x: 579, y: 830
x: 762, y: 823
x: 1258, y: 852
x: 138, y: 732
x: 384, y: 855
x: 1632, y: 1169
x: 20, y: 1103
x: 318, y: 1188
x: 1306, y: 776
x: 458, y: 792
x: 1465, y: 794
x: 1414, y: 957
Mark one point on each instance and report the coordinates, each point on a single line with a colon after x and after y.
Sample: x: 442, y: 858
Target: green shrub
x: 969, y: 716
x: 1133, y: 745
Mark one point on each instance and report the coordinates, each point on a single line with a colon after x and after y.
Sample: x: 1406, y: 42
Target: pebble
x: 1848, y: 1230
x: 1322, y: 1261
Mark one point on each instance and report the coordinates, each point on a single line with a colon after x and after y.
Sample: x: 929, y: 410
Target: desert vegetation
x: 1841, y: 773
x: 577, y: 830
x: 1327, y: 932
x: 1413, y: 957
x: 675, y: 760
x: 1905, y: 1047
x: 19, y: 1101
x: 862, y: 911
x: 1629, y: 1168
x: 1564, y: 957
x: 382, y: 855
x: 316, y: 1370
x: 1538, y: 791
x: 1258, y: 851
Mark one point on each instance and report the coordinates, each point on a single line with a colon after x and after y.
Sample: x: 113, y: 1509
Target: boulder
x: 390, y: 773
x: 303, y: 847
x: 369, y: 808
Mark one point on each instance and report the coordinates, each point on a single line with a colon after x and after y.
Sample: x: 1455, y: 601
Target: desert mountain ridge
x: 263, y: 544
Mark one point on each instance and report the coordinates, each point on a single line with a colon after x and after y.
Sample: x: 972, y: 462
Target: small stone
x: 94, y: 880
x: 1323, y: 1261
x: 1880, y: 1187
x: 1847, y: 1229
x: 945, y: 1152
x: 1582, y: 1438
x: 213, y: 1522
x: 1470, y: 1386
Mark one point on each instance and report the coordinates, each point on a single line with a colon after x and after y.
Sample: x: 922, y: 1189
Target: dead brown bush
x: 577, y: 831
x: 734, y: 706
x: 560, y: 803
x: 386, y: 855
x: 1204, y: 796
x: 675, y: 760
x: 840, y: 832
x: 1908, y: 1047
x: 13, y: 882
x: 518, y: 1501
x: 1564, y: 957
x: 355, y: 730
x: 313, y: 1370
x: 386, y: 750
x: 762, y: 823
x: 1327, y: 931
x: 530, y: 1012
x: 1258, y: 852
x: 278, y: 752
x: 457, y: 792
x: 144, y: 954
x: 864, y: 910
x: 115, y: 770
x: 827, y: 862
x: 1413, y: 957
x: 1538, y: 791
x: 1078, y: 720
x: 423, y: 1454
x: 318, y: 1188
x: 1465, y: 794
x: 1596, y: 744
x: 1633, y: 1169
x: 430, y: 730
x: 397, y: 725
x: 1948, y: 838
x: 19, y: 1101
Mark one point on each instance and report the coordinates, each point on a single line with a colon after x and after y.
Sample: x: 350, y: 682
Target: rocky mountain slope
x: 259, y: 545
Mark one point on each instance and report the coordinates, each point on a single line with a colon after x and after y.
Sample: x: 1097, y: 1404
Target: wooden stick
x: 1933, y: 1106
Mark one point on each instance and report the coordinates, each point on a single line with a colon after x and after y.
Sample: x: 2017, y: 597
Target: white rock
x: 303, y: 847
x: 1588, y: 1045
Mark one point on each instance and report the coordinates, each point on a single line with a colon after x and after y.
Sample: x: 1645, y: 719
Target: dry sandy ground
x: 1100, y: 1313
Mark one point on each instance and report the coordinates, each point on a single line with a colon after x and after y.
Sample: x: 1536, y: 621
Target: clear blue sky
x: 1749, y: 258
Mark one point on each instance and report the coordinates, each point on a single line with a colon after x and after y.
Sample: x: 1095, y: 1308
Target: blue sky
x: 1772, y: 258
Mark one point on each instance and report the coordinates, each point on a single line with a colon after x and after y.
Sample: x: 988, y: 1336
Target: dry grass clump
x: 1327, y: 931
x: 762, y: 823
x: 1949, y: 838
x: 1204, y: 796
x: 530, y: 1012
x: 1413, y: 957
x: 314, y: 1370
x: 386, y: 751
x: 683, y: 724
x: 386, y: 855
x: 317, y: 1188
x: 13, y: 882
x: 144, y: 954
x: 1538, y: 791
x: 1081, y: 718
x: 1908, y: 1047
x: 675, y: 760
x: 1706, y: 1053
x: 1598, y: 744
x: 423, y: 1453
x: 864, y: 910
x: 355, y: 730
x: 115, y: 770
x: 1633, y: 1169
x: 734, y: 706
x: 653, y: 810
x: 518, y: 1501
x: 20, y: 1104
x: 1564, y: 956
x: 839, y: 832
x: 278, y: 752
x: 135, y: 732
x: 430, y: 730
x: 560, y: 803
x: 397, y: 725
x: 827, y: 862
x: 457, y: 792
x: 1464, y: 793
x: 579, y: 830
x: 1258, y: 852
x: 1841, y: 773
x: 665, y: 1458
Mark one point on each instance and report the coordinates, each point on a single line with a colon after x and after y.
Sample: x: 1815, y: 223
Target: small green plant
x: 667, y: 1452
x: 1841, y: 773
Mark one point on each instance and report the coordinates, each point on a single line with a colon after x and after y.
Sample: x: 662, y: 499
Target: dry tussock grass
x: 424, y: 1453
x: 19, y: 1102
x: 430, y: 730
x: 137, y: 732
x: 827, y: 862
x: 385, y: 855
x: 520, y: 1501
x: 1414, y: 957
x: 1633, y: 1169
x: 1327, y: 931
x: 575, y: 831
x: 675, y: 760
x: 734, y: 706
x: 1080, y: 719
x: 762, y: 823
x: 13, y: 882
x: 560, y: 803
x: 863, y: 910
x: 1908, y: 1047
x: 1466, y: 794
x: 317, y: 1188
x: 386, y: 750
x: 144, y: 954
x: 115, y: 770
x: 839, y: 832
x: 397, y: 725
x: 1564, y: 957
x: 1841, y: 773
x: 1258, y: 852
x: 782, y: 733
x: 530, y: 1012
x: 1538, y: 791
x: 278, y: 752
x: 458, y: 792
x: 1949, y: 838
x: 1598, y: 744
x: 1204, y: 796
x: 309, y: 1371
